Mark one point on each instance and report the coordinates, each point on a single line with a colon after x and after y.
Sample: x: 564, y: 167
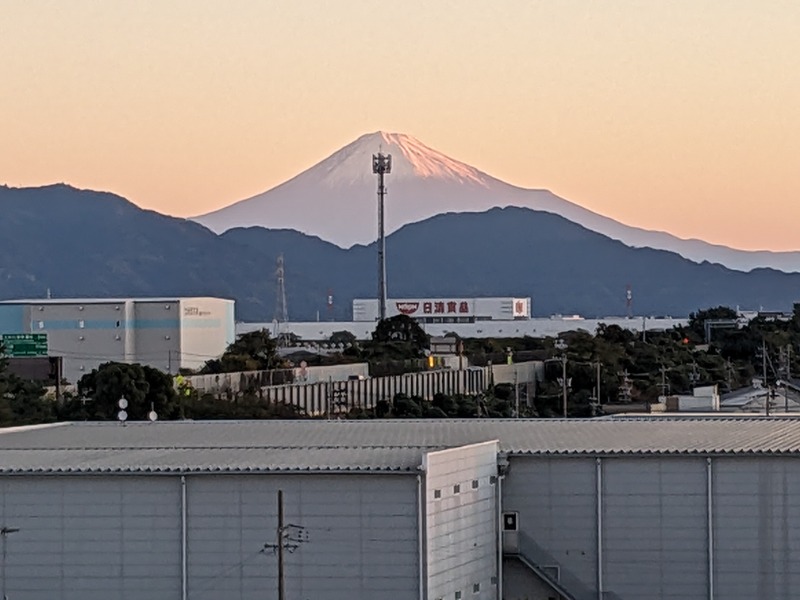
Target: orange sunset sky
x: 681, y: 116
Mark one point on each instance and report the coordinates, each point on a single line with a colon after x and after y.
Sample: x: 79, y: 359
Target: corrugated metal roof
x: 391, y: 445
x: 110, y: 300
x: 209, y: 460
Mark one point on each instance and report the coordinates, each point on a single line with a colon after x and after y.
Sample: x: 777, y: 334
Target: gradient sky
x: 681, y: 116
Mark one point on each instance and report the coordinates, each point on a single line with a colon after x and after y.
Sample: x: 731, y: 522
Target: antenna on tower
x: 281, y: 310
x: 381, y: 165
x: 330, y: 304
x: 629, y: 301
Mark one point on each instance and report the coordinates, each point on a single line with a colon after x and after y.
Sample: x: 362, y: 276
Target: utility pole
x: 729, y: 374
x: 279, y: 544
x: 284, y: 541
x: 564, y: 381
x: 788, y: 377
x: 663, y: 380
x: 764, y: 373
x: 625, y: 388
x: 694, y: 376
x: 4, y: 533
x: 516, y: 394
x: 598, y: 383
x: 381, y: 165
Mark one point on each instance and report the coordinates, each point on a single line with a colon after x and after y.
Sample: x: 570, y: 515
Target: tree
x: 698, y: 320
x: 346, y: 338
x: 22, y: 402
x: 253, y: 351
x: 142, y: 386
x: 401, y: 335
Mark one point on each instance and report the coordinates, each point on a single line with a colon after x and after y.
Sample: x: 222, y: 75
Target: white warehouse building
x: 445, y: 310
x: 613, y: 509
x: 166, y: 333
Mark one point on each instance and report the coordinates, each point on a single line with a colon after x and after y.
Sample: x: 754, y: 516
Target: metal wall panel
x: 655, y: 528
x: 362, y: 536
x: 92, y: 538
x: 756, y: 528
x: 556, y: 502
x: 461, y: 522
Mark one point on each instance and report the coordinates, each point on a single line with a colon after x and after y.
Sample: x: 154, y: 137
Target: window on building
x: 476, y: 587
x: 475, y: 484
x: 437, y: 494
x: 458, y: 595
x: 81, y: 324
x: 457, y: 488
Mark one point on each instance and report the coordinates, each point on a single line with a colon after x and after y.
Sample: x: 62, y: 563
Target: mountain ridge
x: 85, y: 243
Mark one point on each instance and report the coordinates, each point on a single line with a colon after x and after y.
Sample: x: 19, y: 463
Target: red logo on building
x: 519, y: 308
x: 407, y: 308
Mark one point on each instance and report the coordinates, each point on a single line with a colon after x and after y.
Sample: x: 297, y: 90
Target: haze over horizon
x: 671, y: 117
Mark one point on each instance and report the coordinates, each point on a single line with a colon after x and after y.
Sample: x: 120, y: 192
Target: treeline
x: 632, y: 366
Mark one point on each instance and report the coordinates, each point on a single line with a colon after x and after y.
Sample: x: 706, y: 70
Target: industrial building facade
x: 535, y: 327
x: 620, y: 509
x: 166, y: 333
x: 445, y: 310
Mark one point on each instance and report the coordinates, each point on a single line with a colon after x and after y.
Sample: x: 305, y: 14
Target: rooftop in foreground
x: 370, y: 446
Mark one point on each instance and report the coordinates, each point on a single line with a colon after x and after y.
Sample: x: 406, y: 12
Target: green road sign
x: 18, y: 345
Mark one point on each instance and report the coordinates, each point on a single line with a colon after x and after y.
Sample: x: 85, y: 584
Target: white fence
x: 232, y: 383
x: 335, y: 389
x: 342, y: 396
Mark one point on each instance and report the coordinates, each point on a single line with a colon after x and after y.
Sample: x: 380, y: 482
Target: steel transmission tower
x: 381, y: 165
x: 281, y: 316
x: 629, y: 301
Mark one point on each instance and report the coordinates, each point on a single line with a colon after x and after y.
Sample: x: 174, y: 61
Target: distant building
x: 444, y: 345
x: 537, y: 327
x: 702, y: 399
x: 454, y: 309
x: 166, y: 333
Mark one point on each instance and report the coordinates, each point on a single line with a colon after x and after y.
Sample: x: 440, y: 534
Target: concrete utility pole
x: 788, y: 377
x: 564, y: 381
x: 287, y: 538
x: 381, y: 165
x: 663, y: 380
x: 279, y: 543
x: 598, y: 383
x: 764, y: 373
x: 4, y: 533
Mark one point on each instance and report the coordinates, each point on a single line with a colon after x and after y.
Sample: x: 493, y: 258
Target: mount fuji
x: 336, y: 201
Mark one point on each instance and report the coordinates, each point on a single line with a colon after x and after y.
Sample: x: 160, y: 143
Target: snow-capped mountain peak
x: 335, y: 200
x: 411, y: 159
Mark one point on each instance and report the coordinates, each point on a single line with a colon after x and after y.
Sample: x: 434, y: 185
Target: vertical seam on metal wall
x: 184, y: 543
x: 710, y: 526
x: 599, y: 503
